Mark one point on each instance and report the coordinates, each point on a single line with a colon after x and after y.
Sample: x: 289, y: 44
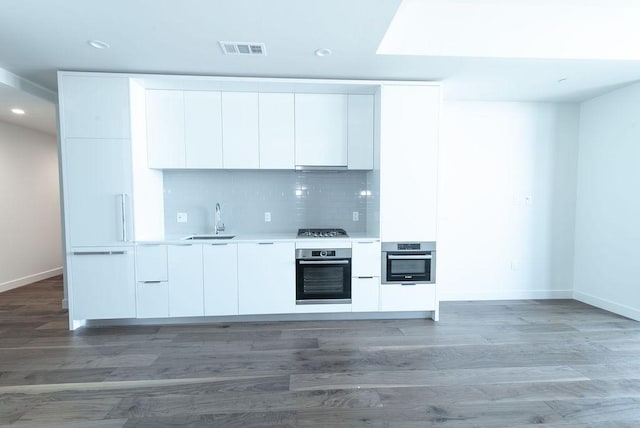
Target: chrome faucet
x: 218, y: 226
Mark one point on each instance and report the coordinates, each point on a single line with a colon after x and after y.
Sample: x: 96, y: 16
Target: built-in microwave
x: 409, y: 262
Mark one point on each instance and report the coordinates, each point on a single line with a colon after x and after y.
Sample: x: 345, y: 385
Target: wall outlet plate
x: 356, y: 216
x: 181, y: 218
x: 267, y: 217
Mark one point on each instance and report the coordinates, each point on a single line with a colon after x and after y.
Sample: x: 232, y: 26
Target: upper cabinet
x: 277, y: 136
x: 203, y: 129
x: 251, y: 130
x: 240, y: 130
x: 360, y: 132
x: 165, y: 129
x: 321, y: 130
x: 94, y: 107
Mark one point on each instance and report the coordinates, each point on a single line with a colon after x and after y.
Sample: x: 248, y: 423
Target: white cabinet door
x: 364, y: 294
x: 409, y: 162
x: 220, y: 279
x: 360, y: 132
x: 102, y: 284
x: 321, y: 129
x: 266, y: 278
x: 240, y: 130
x: 366, y: 258
x: 203, y: 129
x: 94, y: 107
x: 151, y: 263
x: 277, y: 145
x: 98, y: 185
x: 186, y: 292
x: 165, y: 129
x: 152, y: 299
x: 400, y: 297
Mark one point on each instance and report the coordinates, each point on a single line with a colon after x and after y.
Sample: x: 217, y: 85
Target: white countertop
x: 255, y: 237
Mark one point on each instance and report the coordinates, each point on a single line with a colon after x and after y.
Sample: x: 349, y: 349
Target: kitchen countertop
x: 255, y: 237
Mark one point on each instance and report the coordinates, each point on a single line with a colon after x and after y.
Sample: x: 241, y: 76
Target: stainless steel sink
x: 208, y: 237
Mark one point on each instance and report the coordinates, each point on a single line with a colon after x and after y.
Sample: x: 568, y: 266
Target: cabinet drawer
x: 151, y: 263
x: 397, y: 297
x: 366, y: 258
x: 365, y: 294
x: 152, y: 300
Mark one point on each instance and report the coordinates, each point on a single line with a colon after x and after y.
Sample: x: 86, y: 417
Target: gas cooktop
x: 322, y: 233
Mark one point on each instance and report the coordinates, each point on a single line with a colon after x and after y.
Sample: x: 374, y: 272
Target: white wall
x: 30, y: 237
x: 607, y: 242
x: 506, y: 200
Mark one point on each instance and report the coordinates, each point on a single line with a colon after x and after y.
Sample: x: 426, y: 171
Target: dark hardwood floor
x: 485, y: 364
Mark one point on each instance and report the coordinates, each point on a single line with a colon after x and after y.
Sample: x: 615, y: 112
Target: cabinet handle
x: 123, y: 213
x: 265, y: 243
x: 151, y: 282
x: 366, y: 242
x: 365, y: 277
x: 218, y: 244
x: 98, y: 253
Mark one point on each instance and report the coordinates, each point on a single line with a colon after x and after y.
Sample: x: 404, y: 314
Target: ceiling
x: 40, y: 37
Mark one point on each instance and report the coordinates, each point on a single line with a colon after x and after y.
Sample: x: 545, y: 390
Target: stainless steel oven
x: 409, y: 262
x: 323, y: 276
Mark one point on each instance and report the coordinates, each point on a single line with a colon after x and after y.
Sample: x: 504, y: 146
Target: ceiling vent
x: 243, y: 48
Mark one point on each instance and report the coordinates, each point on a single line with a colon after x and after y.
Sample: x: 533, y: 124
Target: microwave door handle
x: 419, y: 257
x: 324, y: 262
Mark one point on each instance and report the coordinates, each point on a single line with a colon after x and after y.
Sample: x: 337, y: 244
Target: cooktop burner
x: 322, y: 233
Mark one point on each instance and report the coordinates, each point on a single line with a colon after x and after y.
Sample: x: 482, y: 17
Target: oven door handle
x: 417, y: 257
x: 324, y: 262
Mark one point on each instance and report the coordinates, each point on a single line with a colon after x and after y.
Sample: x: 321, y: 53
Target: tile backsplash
x: 295, y: 200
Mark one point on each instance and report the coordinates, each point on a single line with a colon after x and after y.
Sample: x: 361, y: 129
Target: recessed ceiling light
x: 323, y: 52
x: 99, y: 44
x: 17, y: 111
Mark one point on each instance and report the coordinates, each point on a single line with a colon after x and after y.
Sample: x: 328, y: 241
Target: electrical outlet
x: 528, y: 200
x: 356, y: 216
x: 267, y: 217
x: 181, y: 218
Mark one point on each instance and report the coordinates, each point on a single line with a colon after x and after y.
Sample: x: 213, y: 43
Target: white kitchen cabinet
x: 366, y: 258
x: 98, y: 187
x: 186, y: 287
x: 365, y: 294
x: 151, y: 262
x: 321, y: 129
x: 152, y: 299
x: 203, y: 129
x: 277, y: 136
x: 152, y: 287
x: 360, y: 132
x: 102, y: 283
x: 403, y: 297
x: 165, y: 129
x: 266, y: 278
x: 94, y: 106
x: 409, y: 162
x: 220, y: 263
x: 240, y: 130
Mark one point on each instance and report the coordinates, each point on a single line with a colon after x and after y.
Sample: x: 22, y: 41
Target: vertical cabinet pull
x: 123, y: 213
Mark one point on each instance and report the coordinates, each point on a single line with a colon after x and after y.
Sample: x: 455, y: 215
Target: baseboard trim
x: 504, y: 295
x: 10, y: 285
x: 608, y: 305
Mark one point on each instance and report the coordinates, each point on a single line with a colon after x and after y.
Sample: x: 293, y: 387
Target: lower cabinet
x: 416, y: 297
x: 102, y: 283
x: 152, y: 287
x: 365, y: 293
x: 186, y: 286
x: 220, y: 263
x: 266, y: 278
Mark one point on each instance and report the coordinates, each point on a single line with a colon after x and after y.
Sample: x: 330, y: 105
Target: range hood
x: 321, y: 168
